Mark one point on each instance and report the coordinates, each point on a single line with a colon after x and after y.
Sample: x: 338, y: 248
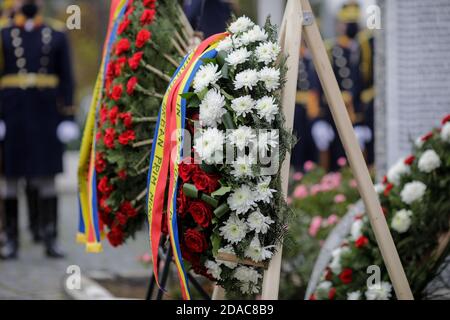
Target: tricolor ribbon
x: 163, y: 172
x: 90, y: 227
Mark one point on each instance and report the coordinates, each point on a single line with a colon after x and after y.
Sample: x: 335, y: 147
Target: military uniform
x: 36, y: 95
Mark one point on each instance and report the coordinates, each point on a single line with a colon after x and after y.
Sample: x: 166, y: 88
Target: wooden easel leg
x: 218, y: 293
x: 379, y: 225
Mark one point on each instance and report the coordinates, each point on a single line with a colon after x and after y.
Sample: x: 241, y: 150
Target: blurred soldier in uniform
x: 307, y: 109
x: 345, y: 55
x: 36, y: 98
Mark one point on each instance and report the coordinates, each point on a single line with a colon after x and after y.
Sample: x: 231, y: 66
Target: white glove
x: 67, y: 131
x: 2, y: 130
x: 364, y: 135
x: 323, y: 135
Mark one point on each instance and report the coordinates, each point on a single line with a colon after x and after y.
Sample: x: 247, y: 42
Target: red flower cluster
x: 126, y: 137
x: 131, y: 85
x: 362, y: 241
x: 346, y: 276
x: 142, y: 38
x: 135, y: 60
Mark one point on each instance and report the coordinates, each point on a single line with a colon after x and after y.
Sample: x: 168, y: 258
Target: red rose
x: 192, y: 258
x: 131, y: 85
x: 127, y: 119
x: 128, y: 209
x: 123, y: 26
x: 205, y: 182
x: 109, y: 138
x: 388, y: 189
x: 186, y: 169
x: 408, y: 161
x: 427, y: 137
x: 182, y: 203
x: 362, y: 241
x: 104, y: 186
x: 112, y: 114
x: 195, y: 241
x: 201, y: 212
x: 117, y: 92
x: 105, y: 217
x: 135, y: 60
x: 446, y: 119
x: 122, y: 46
x: 346, y: 275
x: 126, y: 137
x: 331, y: 293
x: 147, y: 16
x: 121, y: 218
x: 100, y: 163
x: 142, y: 37
x: 122, y: 174
x: 115, y: 236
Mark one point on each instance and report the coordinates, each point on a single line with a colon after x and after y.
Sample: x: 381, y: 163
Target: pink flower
x: 333, y: 219
x: 289, y: 200
x: 297, y: 176
x: 315, y: 189
x: 300, y: 192
x: 309, y: 166
x: 314, y: 227
x: 342, y: 162
x: 339, y: 198
x: 353, y: 183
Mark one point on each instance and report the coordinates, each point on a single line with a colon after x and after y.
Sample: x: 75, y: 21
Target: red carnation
x: 346, y: 276
x: 182, y: 203
x: 131, y: 85
x: 98, y: 136
x: 195, y: 241
x: 147, y: 16
x: 112, y: 114
x: 446, y: 119
x: 122, y: 174
x: 149, y: 3
x: 118, y: 66
x: 117, y: 92
x: 332, y: 293
x: 135, y: 60
x: 201, y: 212
x: 104, y: 187
x: 115, y: 236
x: 408, y: 161
x: 122, y: 46
x: 388, y: 189
x: 312, y: 297
x: 126, y: 137
x: 142, y: 37
x: 111, y: 70
x: 100, y: 163
x: 121, y: 218
x: 385, y: 180
x: 130, y: 9
x: 186, y: 169
x: 123, y: 26
x: 204, y: 182
x: 127, y: 119
x: 128, y: 209
x: 362, y: 241
x: 102, y: 203
x: 103, y: 114
x: 427, y: 137
x: 109, y: 138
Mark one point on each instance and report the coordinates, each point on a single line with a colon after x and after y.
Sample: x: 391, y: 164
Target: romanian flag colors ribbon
x: 167, y: 153
x: 90, y: 227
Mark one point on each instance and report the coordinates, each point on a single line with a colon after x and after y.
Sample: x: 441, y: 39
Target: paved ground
x: 35, y: 277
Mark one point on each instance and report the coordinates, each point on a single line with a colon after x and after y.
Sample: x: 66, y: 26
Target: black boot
x: 34, y: 223
x: 48, y: 211
x: 10, y: 248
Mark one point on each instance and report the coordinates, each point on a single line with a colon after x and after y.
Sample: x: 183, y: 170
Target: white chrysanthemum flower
x: 429, y: 161
x: 270, y: 77
x: 267, y: 52
x: 335, y: 264
x: 212, y: 108
x: 225, y: 45
x: 248, y: 288
x: 381, y: 291
x: 206, y: 75
x: 242, y: 199
x: 419, y: 142
x: 258, y: 253
x: 398, y: 170
x: 241, y: 137
x: 263, y: 192
x: 246, y: 79
x: 401, y: 220
x: 354, y: 295
x: 413, y: 191
x: 228, y: 249
x: 234, y: 230
x: 242, y: 167
x: 356, y: 228
x: 259, y: 223
x: 247, y: 274
x: 240, y: 25
x: 267, y: 108
x: 243, y: 105
x: 237, y: 57
x: 209, y: 145
x: 266, y: 139
x: 253, y: 35
x: 213, y: 269
x: 379, y: 188
x: 445, y: 132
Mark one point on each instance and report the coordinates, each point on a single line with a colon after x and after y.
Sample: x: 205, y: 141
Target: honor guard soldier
x: 345, y: 55
x: 36, y: 98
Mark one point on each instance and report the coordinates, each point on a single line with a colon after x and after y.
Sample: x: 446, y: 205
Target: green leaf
x: 215, y: 240
x: 187, y: 95
x: 224, y: 71
x: 221, y: 56
x: 202, y: 93
x: 221, y: 210
x: 209, y: 60
x: 221, y: 191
